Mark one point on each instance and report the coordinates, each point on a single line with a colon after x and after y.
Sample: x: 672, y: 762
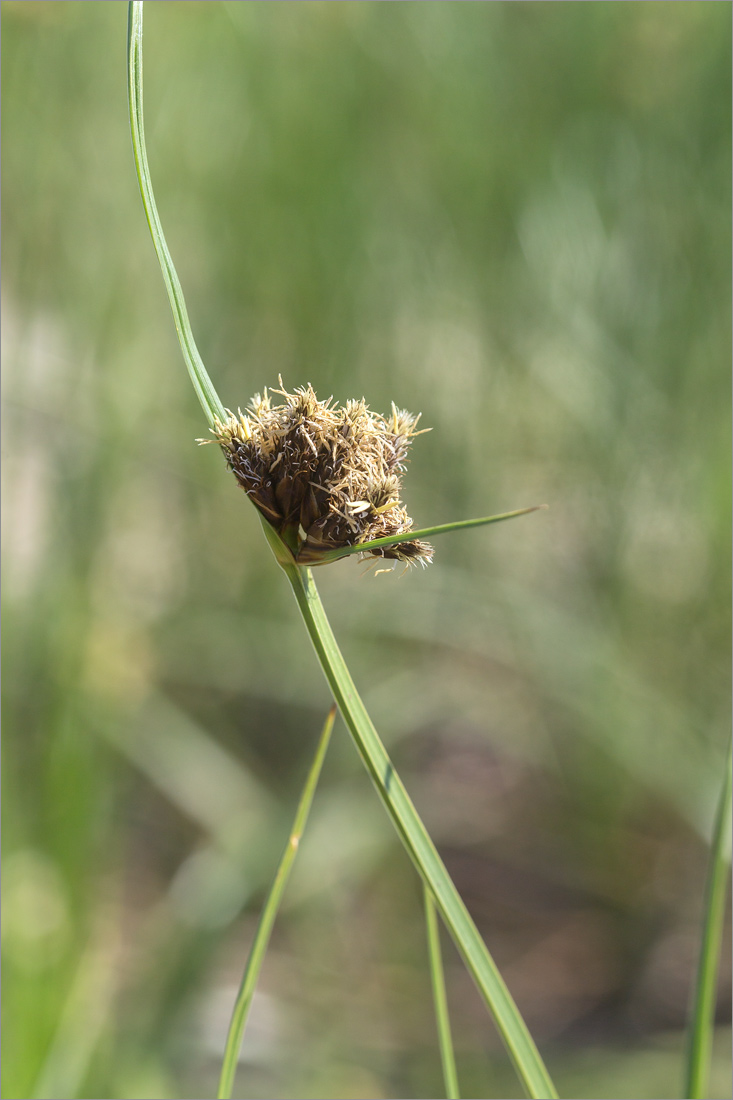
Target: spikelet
x: 326, y: 477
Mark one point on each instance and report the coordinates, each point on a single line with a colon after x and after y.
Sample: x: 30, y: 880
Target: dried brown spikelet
x: 326, y: 477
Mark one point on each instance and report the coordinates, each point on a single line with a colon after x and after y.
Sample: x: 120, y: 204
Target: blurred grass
x: 515, y: 218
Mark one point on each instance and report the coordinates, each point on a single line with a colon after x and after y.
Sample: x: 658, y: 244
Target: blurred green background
x: 515, y: 219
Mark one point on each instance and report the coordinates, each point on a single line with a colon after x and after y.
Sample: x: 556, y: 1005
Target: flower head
x: 326, y: 477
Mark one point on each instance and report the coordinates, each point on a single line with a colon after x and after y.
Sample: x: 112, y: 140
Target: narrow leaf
x: 267, y: 918
x: 423, y: 533
x: 702, y: 1026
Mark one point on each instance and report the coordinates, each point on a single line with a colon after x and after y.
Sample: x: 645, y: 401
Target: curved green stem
x: 202, y: 384
x: 697, y: 1069
x: 414, y: 836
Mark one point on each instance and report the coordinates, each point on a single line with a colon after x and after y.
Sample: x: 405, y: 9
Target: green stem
x: 447, y: 1056
x: 414, y: 836
x: 267, y: 919
x: 702, y: 1025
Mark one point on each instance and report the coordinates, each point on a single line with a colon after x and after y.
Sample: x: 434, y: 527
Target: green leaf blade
x: 424, y: 533
x: 265, y: 924
x: 700, y: 1038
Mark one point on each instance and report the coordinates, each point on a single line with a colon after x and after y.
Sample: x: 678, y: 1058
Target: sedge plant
x: 326, y: 481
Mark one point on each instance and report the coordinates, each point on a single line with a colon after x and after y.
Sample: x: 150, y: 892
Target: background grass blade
x: 267, y: 918
x: 203, y: 385
x: 515, y: 1035
x: 437, y: 978
x: 703, y: 1012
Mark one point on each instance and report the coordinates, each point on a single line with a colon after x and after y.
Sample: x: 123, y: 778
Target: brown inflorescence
x: 325, y: 477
